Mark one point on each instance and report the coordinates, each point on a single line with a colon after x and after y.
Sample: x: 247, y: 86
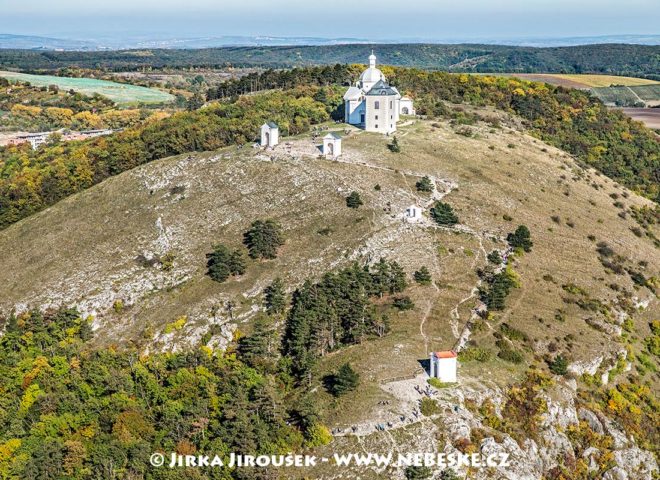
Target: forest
x: 69, y: 410
x: 620, y: 59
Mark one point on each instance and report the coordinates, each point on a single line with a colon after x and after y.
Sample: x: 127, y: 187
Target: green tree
x: 423, y: 276
x: 275, y: 297
x: 424, y: 184
x: 559, y: 365
x: 345, y: 380
x: 195, y: 102
x: 495, y: 257
x: 259, y: 348
x: 394, y: 145
x: 354, y: 200
x: 443, y: 214
x: 263, y: 239
x: 223, y: 263
x: 417, y: 473
x: 404, y: 303
x: 521, y: 238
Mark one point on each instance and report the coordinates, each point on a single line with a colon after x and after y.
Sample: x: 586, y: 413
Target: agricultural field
x: 648, y: 116
x: 630, y: 96
x: 582, y: 81
x: 120, y: 93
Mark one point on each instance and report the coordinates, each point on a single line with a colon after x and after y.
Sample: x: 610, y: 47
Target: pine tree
x: 424, y: 184
x: 443, y: 214
x: 521, y: 238
x: 495, y: 257
x: 258, y: 348
x: 275, y: 297
x: 398, y: 281
x: 559, y: 365
x: 223, y: 262
x: 423, y: 276
x: 354, y: 200
x: 417, y: 473
x: 394, y: 145
x: 345, y: 380
x: 263, y: 239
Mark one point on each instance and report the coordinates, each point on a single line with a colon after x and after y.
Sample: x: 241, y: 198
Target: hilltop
x: 586, y: 288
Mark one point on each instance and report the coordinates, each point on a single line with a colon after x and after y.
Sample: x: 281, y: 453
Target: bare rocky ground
x: 102, y: 250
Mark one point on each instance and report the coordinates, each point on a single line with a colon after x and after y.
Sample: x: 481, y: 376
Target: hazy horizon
x: 437, y: 20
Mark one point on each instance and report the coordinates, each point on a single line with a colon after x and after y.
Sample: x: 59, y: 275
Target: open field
x: 631, y: 96
x: 580, y: 81
x: 649, y: 116
x: 122, y: 94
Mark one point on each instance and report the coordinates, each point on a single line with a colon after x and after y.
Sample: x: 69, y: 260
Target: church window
x: 376, y: 117
x: 376, y: 125
x: 390, y: 104
x: 377, y: 105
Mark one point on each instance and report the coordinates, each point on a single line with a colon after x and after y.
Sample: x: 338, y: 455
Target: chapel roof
x: 381, y: 88
x: 445, y: 354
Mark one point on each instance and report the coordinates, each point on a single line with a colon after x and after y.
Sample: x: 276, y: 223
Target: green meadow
x: 120, y: 93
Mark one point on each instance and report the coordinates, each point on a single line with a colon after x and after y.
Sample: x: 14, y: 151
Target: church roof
x: 353, y: 93
x: 333, y: 135
x: 382, y: 88
x: 371, y: 75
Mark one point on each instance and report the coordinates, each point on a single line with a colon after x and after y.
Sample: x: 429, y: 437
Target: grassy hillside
x: 130, y: 252
x: 619, y: 59
x: 156, y: 209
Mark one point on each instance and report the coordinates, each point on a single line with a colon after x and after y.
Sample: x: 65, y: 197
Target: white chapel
x: 373, y: 104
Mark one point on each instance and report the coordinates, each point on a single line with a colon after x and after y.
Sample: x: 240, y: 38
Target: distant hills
x: 106, y: 42
x: 613, y: 59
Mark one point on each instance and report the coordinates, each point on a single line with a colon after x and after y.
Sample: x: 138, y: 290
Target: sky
x: 368, y: 19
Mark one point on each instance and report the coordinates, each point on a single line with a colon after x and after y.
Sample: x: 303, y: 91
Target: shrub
x: 511, y: 356
x: 423, y: 276
x: 495, y: 257
x: 354, y: 200
x: 223, y: 262
x: 558, y: 365
x: 394, y: 145
x: 345, y: 380
x: 435, y: 382
x: 417, y: 473
x: 429, y: 407
x: 443, y: 214
x: 403, y: 303
x: 512, y: 333
x: 263, y: 239
x: 520, y: 238
x: 475, y: 353
x: 424, y: 184
x: 317, y: 435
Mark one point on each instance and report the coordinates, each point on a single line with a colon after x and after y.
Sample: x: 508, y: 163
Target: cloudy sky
x: 431, y: 19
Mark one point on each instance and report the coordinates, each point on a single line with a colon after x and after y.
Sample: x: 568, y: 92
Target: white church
x: 373, y: 104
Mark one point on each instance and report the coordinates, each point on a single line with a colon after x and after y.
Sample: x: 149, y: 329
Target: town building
x: 34, y: 139
x: 373, y: 104
x: 332, y: 145
x: 443, y: 366
x: 270, y: 135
